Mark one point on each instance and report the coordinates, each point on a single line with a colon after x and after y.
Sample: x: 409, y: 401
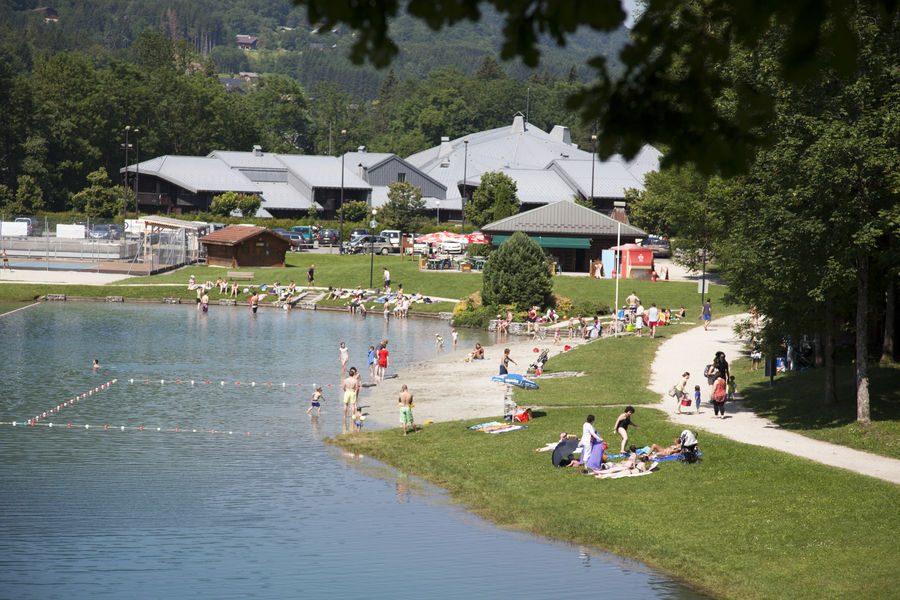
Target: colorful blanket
x: 497, y: 427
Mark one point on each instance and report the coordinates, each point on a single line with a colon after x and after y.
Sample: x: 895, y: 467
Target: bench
x: 240, y: 275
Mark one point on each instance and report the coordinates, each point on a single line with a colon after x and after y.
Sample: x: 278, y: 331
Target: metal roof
x: 249, y: 160
x: 562, y: 218
x: 611, y: 178
x: 169, y: 222
x: 535, y: 186
x: 367, y: 159
x: 282, y: 196
x: 380, y: 198
x: 323, y: 171
x: 196, y: 174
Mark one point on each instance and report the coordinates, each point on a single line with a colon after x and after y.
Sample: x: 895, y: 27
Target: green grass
x: 795, y: 403
x: 666, y: 294
x: 611, y: 367
x: 748, y: 522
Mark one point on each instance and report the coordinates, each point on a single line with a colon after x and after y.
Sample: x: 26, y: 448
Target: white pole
x: 618, y: 276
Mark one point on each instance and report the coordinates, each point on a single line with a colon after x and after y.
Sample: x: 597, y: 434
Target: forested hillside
x: 287, y: 44
x: 73, y: 80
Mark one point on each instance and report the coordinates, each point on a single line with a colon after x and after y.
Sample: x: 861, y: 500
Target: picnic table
x: 438, y: 264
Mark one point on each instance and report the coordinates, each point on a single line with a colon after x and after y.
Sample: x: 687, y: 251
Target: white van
x: 393, y: 236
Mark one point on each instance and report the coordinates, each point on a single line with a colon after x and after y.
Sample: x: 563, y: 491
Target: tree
x: 648, y: 102
x: 405, y: 207
x: 490, y: 69
x: 356, y: 211
x: 518, y: 273
x: 100, y: 198
x: 225, y: 203
x: 494, y: 199
x: 281, y: 112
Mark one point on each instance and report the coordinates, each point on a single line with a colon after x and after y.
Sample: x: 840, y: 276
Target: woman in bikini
x: 622, y: 424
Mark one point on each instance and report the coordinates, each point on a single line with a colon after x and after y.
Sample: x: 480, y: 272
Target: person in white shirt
x: 588, y: 435
x: 653, y: 319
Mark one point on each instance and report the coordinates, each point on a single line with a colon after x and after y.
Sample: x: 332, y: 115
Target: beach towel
x: 640, y: 452
x: 504, y: 429
x: 621, y: 475
x: 488, y: 424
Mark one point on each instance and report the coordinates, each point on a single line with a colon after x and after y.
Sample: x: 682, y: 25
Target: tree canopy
x: 517, y: 273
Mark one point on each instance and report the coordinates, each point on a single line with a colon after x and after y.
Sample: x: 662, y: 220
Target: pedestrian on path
x: 681, y: 390
x: 5, y: 260
x: 311, y: 276
x: 697, y: 398
x: 719, y: 395
x: 706, y: 314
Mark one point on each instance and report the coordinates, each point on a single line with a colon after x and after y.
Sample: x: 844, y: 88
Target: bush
x: 589, y: 308
x: 478, y: 249
x: 479, y: 317
x: 563, y: 304
x: 517, y: 273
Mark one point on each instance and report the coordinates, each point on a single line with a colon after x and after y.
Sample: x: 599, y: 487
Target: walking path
x: 694, y: 349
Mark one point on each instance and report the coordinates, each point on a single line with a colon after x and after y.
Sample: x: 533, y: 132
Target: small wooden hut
x: 245, y: 246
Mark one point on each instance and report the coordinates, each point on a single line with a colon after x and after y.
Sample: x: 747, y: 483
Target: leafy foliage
x: 404, y: 209
x: 518, y: 273
x: 225, y: 203
x: 494, y: 199
x: 100, y: 198
x: 356, y: 211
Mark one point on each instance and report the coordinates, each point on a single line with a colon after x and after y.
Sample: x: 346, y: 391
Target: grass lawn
x: 611, y: 367
x: 795, y: 403
x: 746, y: 523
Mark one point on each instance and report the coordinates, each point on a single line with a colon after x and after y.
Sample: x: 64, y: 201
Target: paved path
x: 694, y: 349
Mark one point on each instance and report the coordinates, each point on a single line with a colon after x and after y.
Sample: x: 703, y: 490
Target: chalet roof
x: 562, y: 218
x: 237, y: 234
x: 196, y: 174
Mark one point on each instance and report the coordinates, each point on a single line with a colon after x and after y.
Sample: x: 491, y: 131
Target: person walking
x: 344, y: 355
x: 653, y: 319
x: 681, y: 390
x: 622, y: 424
x: 254, y: 302
x: 718, y: 397
x: 311, y: 276
x: 383, y: 361
x: 504, y: 362
x: 316, y: 401
x: 5, y: 260
x: 387, y: 280
x: 350, y: 387
x: 706, y: 314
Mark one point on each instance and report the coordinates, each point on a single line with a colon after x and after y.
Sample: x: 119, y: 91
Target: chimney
x: 362, y: 169
x: 618, y: 212
x: 518, y: 125
x: 257, y: 150
x: 361, y: 149
x: 560, y: 133
x: 446, y: 148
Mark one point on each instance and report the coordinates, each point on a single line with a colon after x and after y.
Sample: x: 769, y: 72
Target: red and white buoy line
x: 283, y: 385
x: 68, y: 403
x: 107, y: 427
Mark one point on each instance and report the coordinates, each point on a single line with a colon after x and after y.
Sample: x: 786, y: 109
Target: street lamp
x: 465, y: 169
x: 438, y: 213
x: 137, y: 168
x: 126, y: 146
x: 343, y: 133
x: 373, y: 224
x: 593, y: 162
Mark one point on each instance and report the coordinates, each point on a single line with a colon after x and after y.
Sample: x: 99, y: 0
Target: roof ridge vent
x: 561, y: 133
x: 445, y: 148
x: 518, y: 124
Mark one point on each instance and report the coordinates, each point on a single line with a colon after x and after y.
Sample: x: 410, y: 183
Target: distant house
x: 233, y: 84
x: 249, y: 77
x: 49, y: 13
x: 247, y: 42
x: 240, y: 246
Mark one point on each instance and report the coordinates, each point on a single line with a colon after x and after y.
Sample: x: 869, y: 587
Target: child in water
x: 358, y: 418
x: 316, y: 402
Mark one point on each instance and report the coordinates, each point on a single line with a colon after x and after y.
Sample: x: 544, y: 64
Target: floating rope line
x: 68, y: 403
x: 31, y: 423
x: 220, y: 382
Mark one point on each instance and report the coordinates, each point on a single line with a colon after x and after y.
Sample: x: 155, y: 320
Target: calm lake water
x: 276, y: 514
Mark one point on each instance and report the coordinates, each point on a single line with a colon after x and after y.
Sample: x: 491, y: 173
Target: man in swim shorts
x: 405, y: 400
x: 350, y: 386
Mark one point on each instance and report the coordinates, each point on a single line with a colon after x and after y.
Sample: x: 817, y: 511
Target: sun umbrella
x: 476, y: 238
x: 430, y: 238
x: 562, y: 454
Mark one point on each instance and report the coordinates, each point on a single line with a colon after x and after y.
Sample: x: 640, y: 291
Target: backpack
x: 673, y: 390
x: 711, y: 371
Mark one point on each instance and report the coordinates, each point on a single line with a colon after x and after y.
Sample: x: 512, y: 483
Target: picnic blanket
x: 497, y: 427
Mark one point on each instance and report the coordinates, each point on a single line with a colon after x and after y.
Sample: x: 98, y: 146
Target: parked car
x: 328, y: 237
x: 358, y: 232
x: 33, y: 225
x: 660, y: 246
x: 281, y: 231
x: 371, y: 243
x: 297, y: 241
x: 105, y: 231
x: 453, y: 247
x: 393, y: 236
x: 306, y: 232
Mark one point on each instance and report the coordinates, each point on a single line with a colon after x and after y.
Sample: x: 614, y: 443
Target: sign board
x: 703, y: 286
x: 134, y: 226
x: 373, y: 223
x: 76, y: 232
x: 14, y: 228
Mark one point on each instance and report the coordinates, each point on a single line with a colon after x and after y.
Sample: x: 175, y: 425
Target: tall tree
x: 494, y: 199
x: 405, y: 208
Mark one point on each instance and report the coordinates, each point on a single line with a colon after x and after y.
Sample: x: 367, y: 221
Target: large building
x: 547, y: 167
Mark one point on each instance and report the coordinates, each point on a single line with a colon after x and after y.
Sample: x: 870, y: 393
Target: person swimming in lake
x: 96, y: 364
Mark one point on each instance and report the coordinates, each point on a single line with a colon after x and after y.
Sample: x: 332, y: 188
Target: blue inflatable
x: 516, y: 379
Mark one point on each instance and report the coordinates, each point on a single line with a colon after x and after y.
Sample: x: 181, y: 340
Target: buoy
x: 535, y: 350
x: 14, y: 423
x: 122, y: 428
x: 50, y: 425
x: 192, y: 382
x: 282, y: 385
x: 158, y: 429
x: 252, y: 384
x: 221, y: 383
x: 87, y: 426
x: 162, y: 382
x: 194, y: 430
x: 131, y: 380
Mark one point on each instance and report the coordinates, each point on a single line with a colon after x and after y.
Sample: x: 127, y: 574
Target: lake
x: 252, y: 504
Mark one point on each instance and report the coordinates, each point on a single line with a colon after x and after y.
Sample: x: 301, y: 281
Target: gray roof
x: 380, y: 197
x: 611, y: 178
x: 562, y: 218
x: 534, y: 186
x: 283, y: 196
x: 373, y: 160
x: 196, y: 174
x: 323, y: 171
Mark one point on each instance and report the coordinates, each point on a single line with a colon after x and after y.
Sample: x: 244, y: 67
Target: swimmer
x: 96, y: 364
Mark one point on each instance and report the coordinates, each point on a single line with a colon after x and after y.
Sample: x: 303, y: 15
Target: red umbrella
x: 476, y: 238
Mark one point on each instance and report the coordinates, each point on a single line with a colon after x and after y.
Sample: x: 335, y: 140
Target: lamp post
x: 465, y: 172
x: 343, y: 132
x: 126, y: 146
x: 438, y: 213
x: 593, y: 162
x: 137, y: 169
x: 373, y: 224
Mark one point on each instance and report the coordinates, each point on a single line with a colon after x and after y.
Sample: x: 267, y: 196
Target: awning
x: 549, y: 242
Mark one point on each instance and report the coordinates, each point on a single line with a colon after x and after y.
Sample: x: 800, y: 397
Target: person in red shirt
x: 382, y: 361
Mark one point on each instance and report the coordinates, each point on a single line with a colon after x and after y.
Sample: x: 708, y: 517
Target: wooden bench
x: 240, y: 275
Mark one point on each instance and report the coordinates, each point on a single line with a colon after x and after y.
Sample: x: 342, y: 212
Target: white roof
x: 323, y: 171
x: 611, y: 178
x: 366, y: 159
x: 380, y: 198
x: 248, y: 160
x: 284, y: 197
x: 535, y: 186
x: 196, y: 174
x: 646, y: 161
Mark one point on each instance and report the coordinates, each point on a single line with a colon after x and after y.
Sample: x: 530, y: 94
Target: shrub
x: 517, y: 273
x: 563, y: 304
x: 478, y: 317
x: 589, y: 308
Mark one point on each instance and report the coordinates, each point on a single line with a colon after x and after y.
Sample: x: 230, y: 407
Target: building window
x: 401, y: 177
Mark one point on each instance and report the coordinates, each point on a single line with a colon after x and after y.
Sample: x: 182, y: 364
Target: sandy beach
x: 447, y: 388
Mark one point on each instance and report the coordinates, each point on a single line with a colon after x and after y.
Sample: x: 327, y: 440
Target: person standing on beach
x: 454, y: 335
x: 350, y: 387
x: 387, y: 280
x: 504, y: 362
x: 344, y: 354
x: 204, y: 302
x: 588, y: 436
x: 5, y: 260
x: 383, y: 355
x: 622, y: 424
x: 706, y: 314
x: 311, y: 276
x: 653, y: 319
x: 405, y: 400
x: 372, y: 361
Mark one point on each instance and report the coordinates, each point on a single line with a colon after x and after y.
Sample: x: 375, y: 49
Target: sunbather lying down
x: 551, y: 446
x: 658, y: 451
x: 624, y: 469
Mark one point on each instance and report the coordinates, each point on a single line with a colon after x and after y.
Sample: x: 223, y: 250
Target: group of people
x: 722, y: 387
